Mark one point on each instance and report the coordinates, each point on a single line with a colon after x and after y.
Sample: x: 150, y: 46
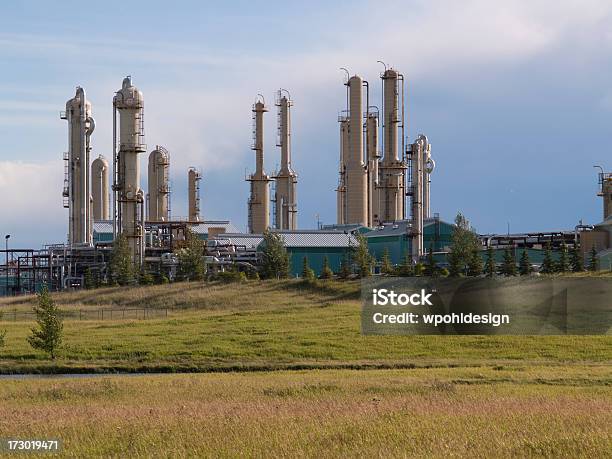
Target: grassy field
x: 284, y: 371
x: 471, y: 412
x: 259, y: 326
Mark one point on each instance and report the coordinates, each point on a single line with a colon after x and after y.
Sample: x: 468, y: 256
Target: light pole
x: 6, y: 238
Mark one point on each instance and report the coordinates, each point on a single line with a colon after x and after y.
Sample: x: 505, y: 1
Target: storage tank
x: 259, y: 200
x: 193, y: 180
x: 99, y: 189
x: 356, y: 177
x: 285, y: 199
x: 128, y: 196
x: 392, y: 166
x: 76, y: 178
x: 159, y: 185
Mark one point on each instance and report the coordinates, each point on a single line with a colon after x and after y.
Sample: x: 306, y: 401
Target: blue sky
x: 515, y: 99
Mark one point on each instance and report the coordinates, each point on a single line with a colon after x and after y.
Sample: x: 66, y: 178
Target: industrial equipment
x: 259, y: 200
x: 76, y: 191
x: 159, y: 185
x: 285, y: 200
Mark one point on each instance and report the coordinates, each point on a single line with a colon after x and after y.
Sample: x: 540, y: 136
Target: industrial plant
x: 383, y: 194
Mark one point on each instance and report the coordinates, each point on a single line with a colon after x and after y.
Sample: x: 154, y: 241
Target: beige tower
x: 341, y: 190
x: 159, y: 188
x: 373, y: 160
x: 605, y: 180
x: 356, y: 175
x: 76, y: 181
x: 99, y: 189
x: 285, y: 199
x: 129, y: 197
x: 259, y: 200
x: 392, y: 167
x: 193, y: 189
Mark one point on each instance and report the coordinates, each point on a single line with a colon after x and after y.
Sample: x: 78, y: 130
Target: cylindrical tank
x: 159, y: 188
x: 99, y: 188
x: 259, y: 200
x: 356, y: 179
x: 129, y: 102
x: 77, y: 187
x: 193, y: 178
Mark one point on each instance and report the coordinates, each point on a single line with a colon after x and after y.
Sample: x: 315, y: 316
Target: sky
x: 515, y: 98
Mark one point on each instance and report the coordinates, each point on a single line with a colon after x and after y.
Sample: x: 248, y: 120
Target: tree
x: 576, y: 262
x: 593, y: 260
x: 385, y: 263
x: 326, y: 272
x: 431, y: 268
x: 490, y: 267
x: 363, y: 258
x: 345, y: 270
x: 548, y: 264
x: 120, y: 265
x: 307, y: 273
x: 405, y: 269
x: 525, y: 267
x: 475, y: 264
x: 47, y: 334
x: 191, y: 265
x: 463, y: 242
x: 563, y: 262
x: 88, y: 279
x: 275, y: 258
x: 508, y: 267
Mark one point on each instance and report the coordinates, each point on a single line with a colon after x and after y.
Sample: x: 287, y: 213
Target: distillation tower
x: 392, y: 168
x: 159, y: 188
x: 421, y: 167
x: 99, y: 189
x: 76, y: 181
x: 128, y: 197
x: 285, y: 200
x: 373, y: 158
x: 193, y: 190
x: 355, y: 171
x: 341, y: 190
x: 259, y: 200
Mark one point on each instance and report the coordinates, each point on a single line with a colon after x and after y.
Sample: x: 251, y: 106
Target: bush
x: 231, y: 276
x: 2, y: 336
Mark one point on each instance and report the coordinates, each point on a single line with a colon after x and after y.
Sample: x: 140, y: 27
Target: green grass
x: 333, y: 392
x: 261, y: 326
x: 462, y: 412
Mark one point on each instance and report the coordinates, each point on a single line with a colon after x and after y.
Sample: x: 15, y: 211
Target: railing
x: 91, y: 314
